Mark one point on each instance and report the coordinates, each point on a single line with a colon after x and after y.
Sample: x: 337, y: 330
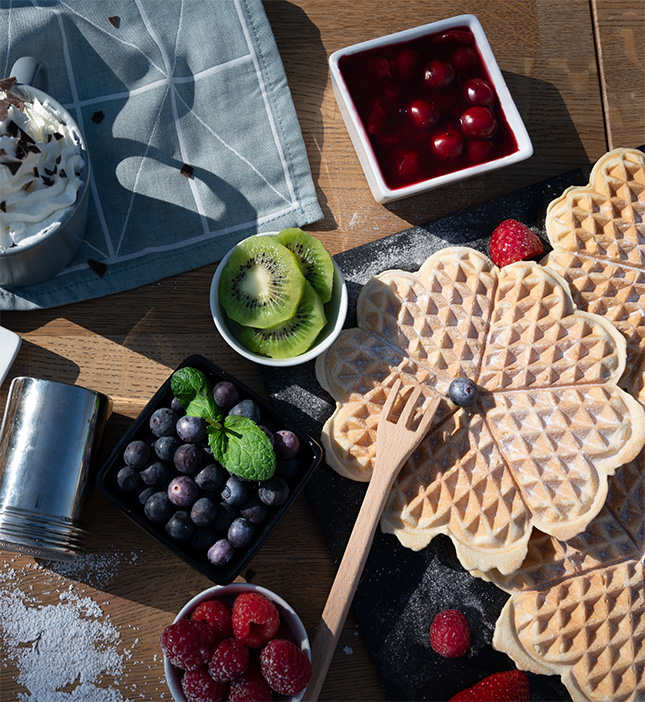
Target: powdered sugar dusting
x: 62, y: 643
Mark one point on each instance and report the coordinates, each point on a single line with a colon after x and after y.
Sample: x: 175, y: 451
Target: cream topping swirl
x: 41, y: 170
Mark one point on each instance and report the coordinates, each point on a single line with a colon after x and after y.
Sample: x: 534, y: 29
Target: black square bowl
x: 309, y: 457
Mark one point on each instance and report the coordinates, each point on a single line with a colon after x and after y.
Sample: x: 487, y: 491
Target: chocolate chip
x: 98, y: 267
x: 97, y: 117
x: 186, y: 170
x: 115, y: 21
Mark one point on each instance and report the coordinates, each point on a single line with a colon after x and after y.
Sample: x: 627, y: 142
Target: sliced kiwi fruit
x: 261, y: 283
x: 293, y: 337
x: 313, y: 258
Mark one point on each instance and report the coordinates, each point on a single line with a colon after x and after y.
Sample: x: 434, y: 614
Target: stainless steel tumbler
x: 48, y: 440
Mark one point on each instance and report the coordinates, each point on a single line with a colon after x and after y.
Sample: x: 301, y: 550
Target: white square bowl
x: 380, y: 190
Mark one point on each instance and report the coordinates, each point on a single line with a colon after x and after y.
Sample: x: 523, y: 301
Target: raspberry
x: 255, y: 619
x: 198, y: 686
x: 249, y: 687
x: 187, y: 644
x: 513, y: 241
x: 450, y: 634
x: 285, y: 667
x: 217, y: 614
x: 229, y: 659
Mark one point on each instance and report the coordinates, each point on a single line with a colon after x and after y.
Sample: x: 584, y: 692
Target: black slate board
x: 401, y: 590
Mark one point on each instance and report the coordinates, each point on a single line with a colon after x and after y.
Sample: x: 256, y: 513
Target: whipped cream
x: 41, y: 170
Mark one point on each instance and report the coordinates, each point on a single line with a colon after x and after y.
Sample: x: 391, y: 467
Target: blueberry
x: 463, y: 392
x: 235, y: 492
x: 225, y: 516
x: 240, y: 533
x: 201, y: 539
x: 188, y: 458
x: 145, y: 494
x: 158, y: 508
x: 163, y: 421
x: 128, y: 479
x: 156, y: 473
x: 203, y: 512
x: 136, y: 454
x: 254, y: 510
x: 225, y: 394
x: 211, y: 477
x: 177, y: 407
x: 286, y: 444
x: 220, y: 553
x: 274, y: 491
x: 180, y: 527
x: 246, y: 408
x: 191, y: 429
x: 182, y: 491
x: 165, y: 447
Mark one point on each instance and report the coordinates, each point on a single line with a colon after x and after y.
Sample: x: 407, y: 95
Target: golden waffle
x: 550, y: 423
x: 598, y: 236
x: 577, y: 609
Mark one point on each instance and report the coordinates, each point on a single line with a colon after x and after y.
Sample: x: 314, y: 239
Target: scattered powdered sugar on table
x: 68, y: 649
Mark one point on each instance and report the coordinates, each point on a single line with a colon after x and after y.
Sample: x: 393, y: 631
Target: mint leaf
x: 217, y: 441
x: 195, y: 394
x: 244, y: 448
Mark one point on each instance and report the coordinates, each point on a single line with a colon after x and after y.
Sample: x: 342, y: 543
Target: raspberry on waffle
x: 536, y: 447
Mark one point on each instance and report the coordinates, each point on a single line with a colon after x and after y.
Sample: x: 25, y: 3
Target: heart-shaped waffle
x: 598, y: 236
x: 577, y: 609
x: 535, y: 449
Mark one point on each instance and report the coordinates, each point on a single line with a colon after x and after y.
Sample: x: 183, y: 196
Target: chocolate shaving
x: 97, y: 117
x: 186, y: 170
x: 9, y: 99
x: 13, y: 166
x: 27, y: 185
x: 36, y: 173
x: 58, y: 136
x: 3, y: 206
x: 115, y: 21
x: 47, y: 181
x: 58, y: 159
x: 98, y: 267
x: 51, y: 172
x: 62, y: 174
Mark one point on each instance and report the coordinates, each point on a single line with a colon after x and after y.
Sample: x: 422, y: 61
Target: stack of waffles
x: 527, y: 481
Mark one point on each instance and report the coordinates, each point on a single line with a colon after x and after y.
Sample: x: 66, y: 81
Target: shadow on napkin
x: 165, y: 85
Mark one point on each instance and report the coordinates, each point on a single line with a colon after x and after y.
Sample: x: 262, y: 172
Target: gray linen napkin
x: 153, y: 86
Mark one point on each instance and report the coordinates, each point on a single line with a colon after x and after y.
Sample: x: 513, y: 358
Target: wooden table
x: 577, y: 72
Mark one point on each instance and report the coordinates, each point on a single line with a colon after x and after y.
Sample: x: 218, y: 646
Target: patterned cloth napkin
x: 190, y: 126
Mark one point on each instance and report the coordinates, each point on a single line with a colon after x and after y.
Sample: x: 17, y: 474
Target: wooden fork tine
x: 410, y: 406
x: 391, y: 399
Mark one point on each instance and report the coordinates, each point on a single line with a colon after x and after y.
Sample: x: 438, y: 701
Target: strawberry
x: 513, y: 241
x: 509, y: 686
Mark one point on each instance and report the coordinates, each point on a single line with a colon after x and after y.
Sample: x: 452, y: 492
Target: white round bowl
x: 335, y: 310
x: 228, y: 593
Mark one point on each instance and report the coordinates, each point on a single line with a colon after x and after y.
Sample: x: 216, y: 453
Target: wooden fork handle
x: 346, y: 581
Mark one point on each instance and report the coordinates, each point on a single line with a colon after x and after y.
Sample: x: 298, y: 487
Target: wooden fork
x: 395, y: 442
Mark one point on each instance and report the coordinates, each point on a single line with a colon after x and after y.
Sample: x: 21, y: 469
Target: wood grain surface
x: 577, y: 73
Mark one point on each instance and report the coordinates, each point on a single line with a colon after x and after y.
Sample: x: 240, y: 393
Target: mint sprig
x: 237, y: 442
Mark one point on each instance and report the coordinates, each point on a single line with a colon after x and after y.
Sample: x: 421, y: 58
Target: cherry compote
x: 428, y: 105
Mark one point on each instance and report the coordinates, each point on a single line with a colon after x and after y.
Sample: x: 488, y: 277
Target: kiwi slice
x: 261, y: 284
x: 293, y: 337
x: 313, y: 258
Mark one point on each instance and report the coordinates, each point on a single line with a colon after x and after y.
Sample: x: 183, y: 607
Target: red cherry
x: 459, y: 35
x: 464, y: 58
x: 376, y: 122
x: 390, y: 93
x: 478, y: 91
x: 423, y: 113
x: 407, y: 62
x: 439, y: 74
x: 447, y: 144
x: 382, y: 67
x: 478, y: 150
x: 478, y: 121
x: 408, y: 165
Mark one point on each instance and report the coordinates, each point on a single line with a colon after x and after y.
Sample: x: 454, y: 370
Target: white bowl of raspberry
x: 237, y: 641
x: 426, y: 107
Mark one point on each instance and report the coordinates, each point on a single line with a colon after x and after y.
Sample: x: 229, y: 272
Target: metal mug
x: 49, y: 437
